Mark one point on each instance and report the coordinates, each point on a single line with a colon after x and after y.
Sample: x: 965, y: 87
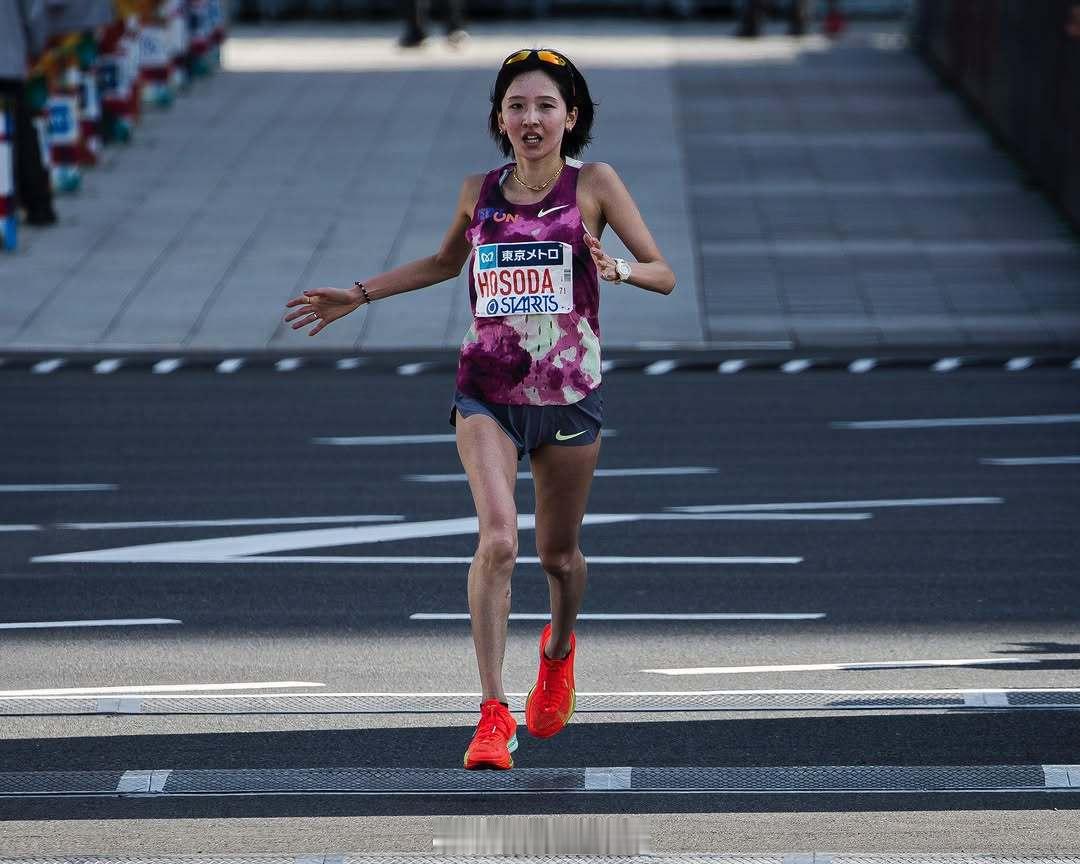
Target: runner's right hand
x: 321, y: 306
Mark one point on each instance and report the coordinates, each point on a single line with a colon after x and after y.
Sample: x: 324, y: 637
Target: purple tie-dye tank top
x: 534, y: 293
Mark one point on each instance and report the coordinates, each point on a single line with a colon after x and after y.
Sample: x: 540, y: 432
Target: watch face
x: 623, y: 269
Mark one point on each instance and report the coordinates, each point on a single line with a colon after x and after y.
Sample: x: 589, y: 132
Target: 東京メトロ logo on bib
x: 523, y: 278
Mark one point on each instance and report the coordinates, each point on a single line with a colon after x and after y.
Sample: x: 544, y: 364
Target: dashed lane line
x: 635, y: 616
x: 102, y: 622
x: 945, y: 422
x: 1034, y: 460
x: 58, y: 487
x: 845, y: 667
x: 839, y: 505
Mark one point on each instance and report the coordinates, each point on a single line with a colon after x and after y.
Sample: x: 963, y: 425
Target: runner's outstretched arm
x: 322, y: 306
x: 617, y: 209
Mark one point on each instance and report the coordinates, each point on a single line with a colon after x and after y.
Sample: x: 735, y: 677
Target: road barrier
x: 9, y: 225
x: 1018, y: 66
x: 85, y: 89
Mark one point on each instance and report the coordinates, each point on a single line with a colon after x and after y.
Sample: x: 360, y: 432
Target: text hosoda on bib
x: 535, y: 336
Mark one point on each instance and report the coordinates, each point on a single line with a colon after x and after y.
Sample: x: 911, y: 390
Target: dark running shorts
x: 532, y: 426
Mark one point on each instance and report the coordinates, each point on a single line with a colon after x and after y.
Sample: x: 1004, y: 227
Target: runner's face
x: 534, y: 116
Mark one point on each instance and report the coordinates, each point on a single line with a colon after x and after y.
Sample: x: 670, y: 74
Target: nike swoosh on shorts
x: 560, y: 437
x: 551, y: 210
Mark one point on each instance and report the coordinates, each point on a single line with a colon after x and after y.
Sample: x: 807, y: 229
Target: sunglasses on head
x: 543, y: 55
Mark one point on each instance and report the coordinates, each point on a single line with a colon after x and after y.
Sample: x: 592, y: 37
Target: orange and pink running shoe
x: 495, y: 738
x: 551, y: 701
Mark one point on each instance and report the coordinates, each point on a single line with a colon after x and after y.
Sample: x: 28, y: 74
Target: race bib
x: 523, y: 278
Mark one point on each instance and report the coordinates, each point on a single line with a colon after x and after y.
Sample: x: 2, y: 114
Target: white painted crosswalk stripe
x: 947, y: 364
x: 1018, y: 364
x: 793, y: 367
x: 862, y: 365
x: 346, y: 363
x: 730, y: 367
x: 288, y: 364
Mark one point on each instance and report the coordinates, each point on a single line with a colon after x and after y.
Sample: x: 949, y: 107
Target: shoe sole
x: 569, y: 717
x: 481, y: 765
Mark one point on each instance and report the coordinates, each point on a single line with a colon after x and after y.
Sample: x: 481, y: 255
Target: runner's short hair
x: 572, y: 88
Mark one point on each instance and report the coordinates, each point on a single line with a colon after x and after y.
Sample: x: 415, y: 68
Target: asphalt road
x: 923, y: 552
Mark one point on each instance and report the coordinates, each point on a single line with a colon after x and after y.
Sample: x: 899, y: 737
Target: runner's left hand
x: 605, y: 264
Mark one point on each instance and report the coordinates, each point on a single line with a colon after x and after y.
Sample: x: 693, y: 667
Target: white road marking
x: 607, y: 365
x: 754, y: 516
x: 47, y: 366
x: 227, y: 367
x: 838, y: 505
x: 237, y: 549
x: 350, y: 363
x: 661, y: 367
x: 390, y: 440
x: 213, y: 523
x: 947, y: 364
x: 104, y: 622
x: 975, y: 693
x: 600, y: 472
x: 385, y: 440
x: 1018, y: 364
x: 933, y: 423
x: 465, y: 559
x: 107, y: 367
x: 864, y: 364
x: 1034, y: 460
x: 20, y: 527
x: 169, y: 364
x: 730, y: 367
x: 58, y: 487
x: 830, y: 667
x: 1075, y: 364
x: 156, y: 688
x: 288, y: 364
x: 793, y: 367
x: 636, y: 616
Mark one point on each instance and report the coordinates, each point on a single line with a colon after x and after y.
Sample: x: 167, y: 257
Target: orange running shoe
x: 551, y: 701
x: 495, y: 738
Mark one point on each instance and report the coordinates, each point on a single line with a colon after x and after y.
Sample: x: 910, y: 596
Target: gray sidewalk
x: 807, y: 195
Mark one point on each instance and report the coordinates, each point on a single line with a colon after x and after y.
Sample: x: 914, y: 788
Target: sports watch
x: 622, y: 269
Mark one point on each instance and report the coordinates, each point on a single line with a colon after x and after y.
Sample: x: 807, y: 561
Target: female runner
x: 528, y: 377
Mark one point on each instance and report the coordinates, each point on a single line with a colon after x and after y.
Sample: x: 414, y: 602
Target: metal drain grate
x: 433, y: 781
x: 467, y: 703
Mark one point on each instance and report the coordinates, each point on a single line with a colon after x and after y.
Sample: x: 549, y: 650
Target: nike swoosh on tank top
x: 535, y: 298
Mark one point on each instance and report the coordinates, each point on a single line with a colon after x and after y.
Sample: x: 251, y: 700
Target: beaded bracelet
x: 363, y: 291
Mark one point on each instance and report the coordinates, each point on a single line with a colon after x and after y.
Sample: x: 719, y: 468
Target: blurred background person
x: 754, y: 12
x: 416, y: 22
x: 22, y: 33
